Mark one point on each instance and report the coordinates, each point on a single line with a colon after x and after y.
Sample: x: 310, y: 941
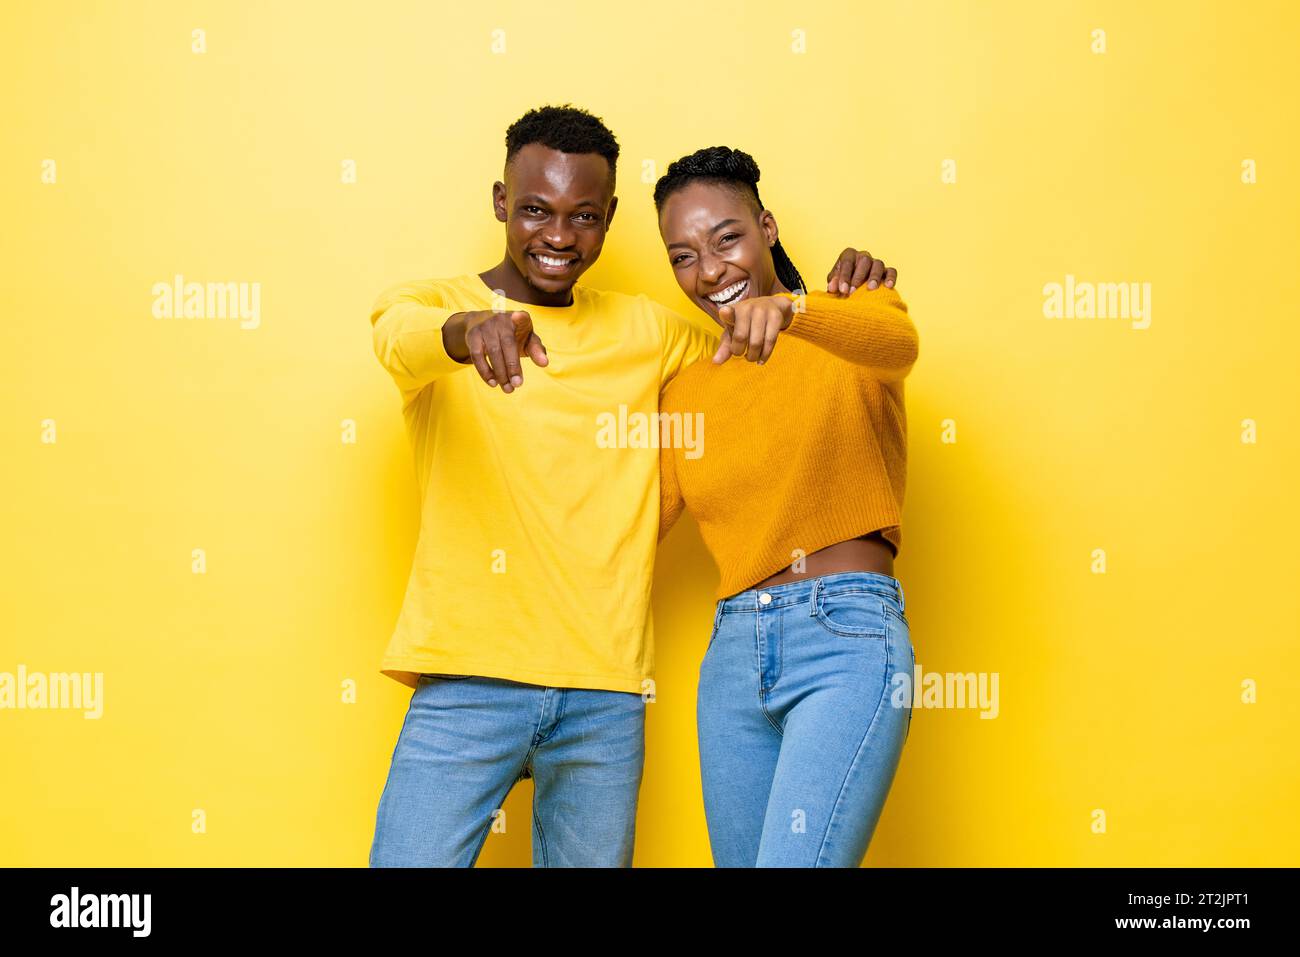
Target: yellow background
x: 1119, y: 692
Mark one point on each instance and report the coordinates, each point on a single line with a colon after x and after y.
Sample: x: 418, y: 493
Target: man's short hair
x: 565, y: 128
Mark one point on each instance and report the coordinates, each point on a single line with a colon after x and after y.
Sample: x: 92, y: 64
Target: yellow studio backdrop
x: 218, y: 515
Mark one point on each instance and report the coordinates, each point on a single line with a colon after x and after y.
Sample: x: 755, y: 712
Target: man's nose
x: 558, y: 234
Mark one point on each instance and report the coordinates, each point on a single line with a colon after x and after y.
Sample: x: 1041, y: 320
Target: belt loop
x: 898, y: 588
x: 812, y: 597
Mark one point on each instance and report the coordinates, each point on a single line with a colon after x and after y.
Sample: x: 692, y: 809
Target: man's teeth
x: 734, y: 291
x: 551, y: 261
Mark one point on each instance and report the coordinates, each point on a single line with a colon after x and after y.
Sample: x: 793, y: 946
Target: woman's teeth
x: 730, y: 294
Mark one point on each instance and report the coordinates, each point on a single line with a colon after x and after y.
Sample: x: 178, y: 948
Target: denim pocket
x: 891, y: 608
x: 717, y: 623
x: 852, y: 614
x: 902, y: 631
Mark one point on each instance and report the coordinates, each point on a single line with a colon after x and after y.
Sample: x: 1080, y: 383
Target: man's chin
x: 552, y: 285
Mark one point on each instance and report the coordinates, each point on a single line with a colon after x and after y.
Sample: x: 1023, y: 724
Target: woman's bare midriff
x: 870, y: 553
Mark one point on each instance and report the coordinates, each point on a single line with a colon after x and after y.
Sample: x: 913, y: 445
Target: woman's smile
x: 729, y: 294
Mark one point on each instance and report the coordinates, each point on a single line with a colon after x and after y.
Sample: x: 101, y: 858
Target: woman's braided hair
x: 722, y: 164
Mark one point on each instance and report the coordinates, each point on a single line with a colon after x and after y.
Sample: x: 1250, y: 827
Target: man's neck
x: 504, y: 276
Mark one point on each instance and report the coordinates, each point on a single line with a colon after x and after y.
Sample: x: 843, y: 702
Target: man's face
x: 556, y: 207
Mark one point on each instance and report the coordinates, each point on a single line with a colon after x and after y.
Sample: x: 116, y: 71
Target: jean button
x: 765, y: 599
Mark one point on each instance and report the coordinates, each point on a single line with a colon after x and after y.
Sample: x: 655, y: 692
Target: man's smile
x: 553, y: 265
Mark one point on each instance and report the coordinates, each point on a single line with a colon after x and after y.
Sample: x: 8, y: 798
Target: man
x: 525, y: 629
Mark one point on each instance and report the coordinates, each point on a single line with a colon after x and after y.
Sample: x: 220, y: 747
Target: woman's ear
x: 767, y: 222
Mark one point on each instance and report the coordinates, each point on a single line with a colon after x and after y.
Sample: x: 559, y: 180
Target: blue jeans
x: 467, y: 740
x: 800, y: 725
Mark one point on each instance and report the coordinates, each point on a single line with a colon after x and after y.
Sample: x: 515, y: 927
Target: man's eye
x: 676, y: 260
x: 727, y: 238
x: 532, y: 209
x: 588, y: 216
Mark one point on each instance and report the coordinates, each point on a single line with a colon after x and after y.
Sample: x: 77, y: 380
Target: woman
x: 805, y: 689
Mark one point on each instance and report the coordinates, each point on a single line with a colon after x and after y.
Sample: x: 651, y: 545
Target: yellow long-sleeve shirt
x: 537, y: 539
x: 808, y: 449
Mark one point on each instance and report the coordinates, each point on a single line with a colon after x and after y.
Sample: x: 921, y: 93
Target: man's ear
x: 767, y: 222
x: 609, y: 213
x: 499, y: 201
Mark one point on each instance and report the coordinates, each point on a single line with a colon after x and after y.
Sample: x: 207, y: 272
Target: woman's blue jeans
x: 801, y: 722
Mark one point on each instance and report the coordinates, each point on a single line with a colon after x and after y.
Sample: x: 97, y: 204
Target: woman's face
x: 720, y: 248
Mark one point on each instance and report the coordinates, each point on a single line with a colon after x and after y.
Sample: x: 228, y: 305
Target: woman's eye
x: 532, y: 209
x: 728, y: 237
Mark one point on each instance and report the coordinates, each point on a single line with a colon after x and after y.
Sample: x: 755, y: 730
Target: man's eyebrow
x: 725, y: 222
x: 533, y: 198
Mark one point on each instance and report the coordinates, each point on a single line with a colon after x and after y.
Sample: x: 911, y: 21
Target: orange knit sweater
x: 807, y: 450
